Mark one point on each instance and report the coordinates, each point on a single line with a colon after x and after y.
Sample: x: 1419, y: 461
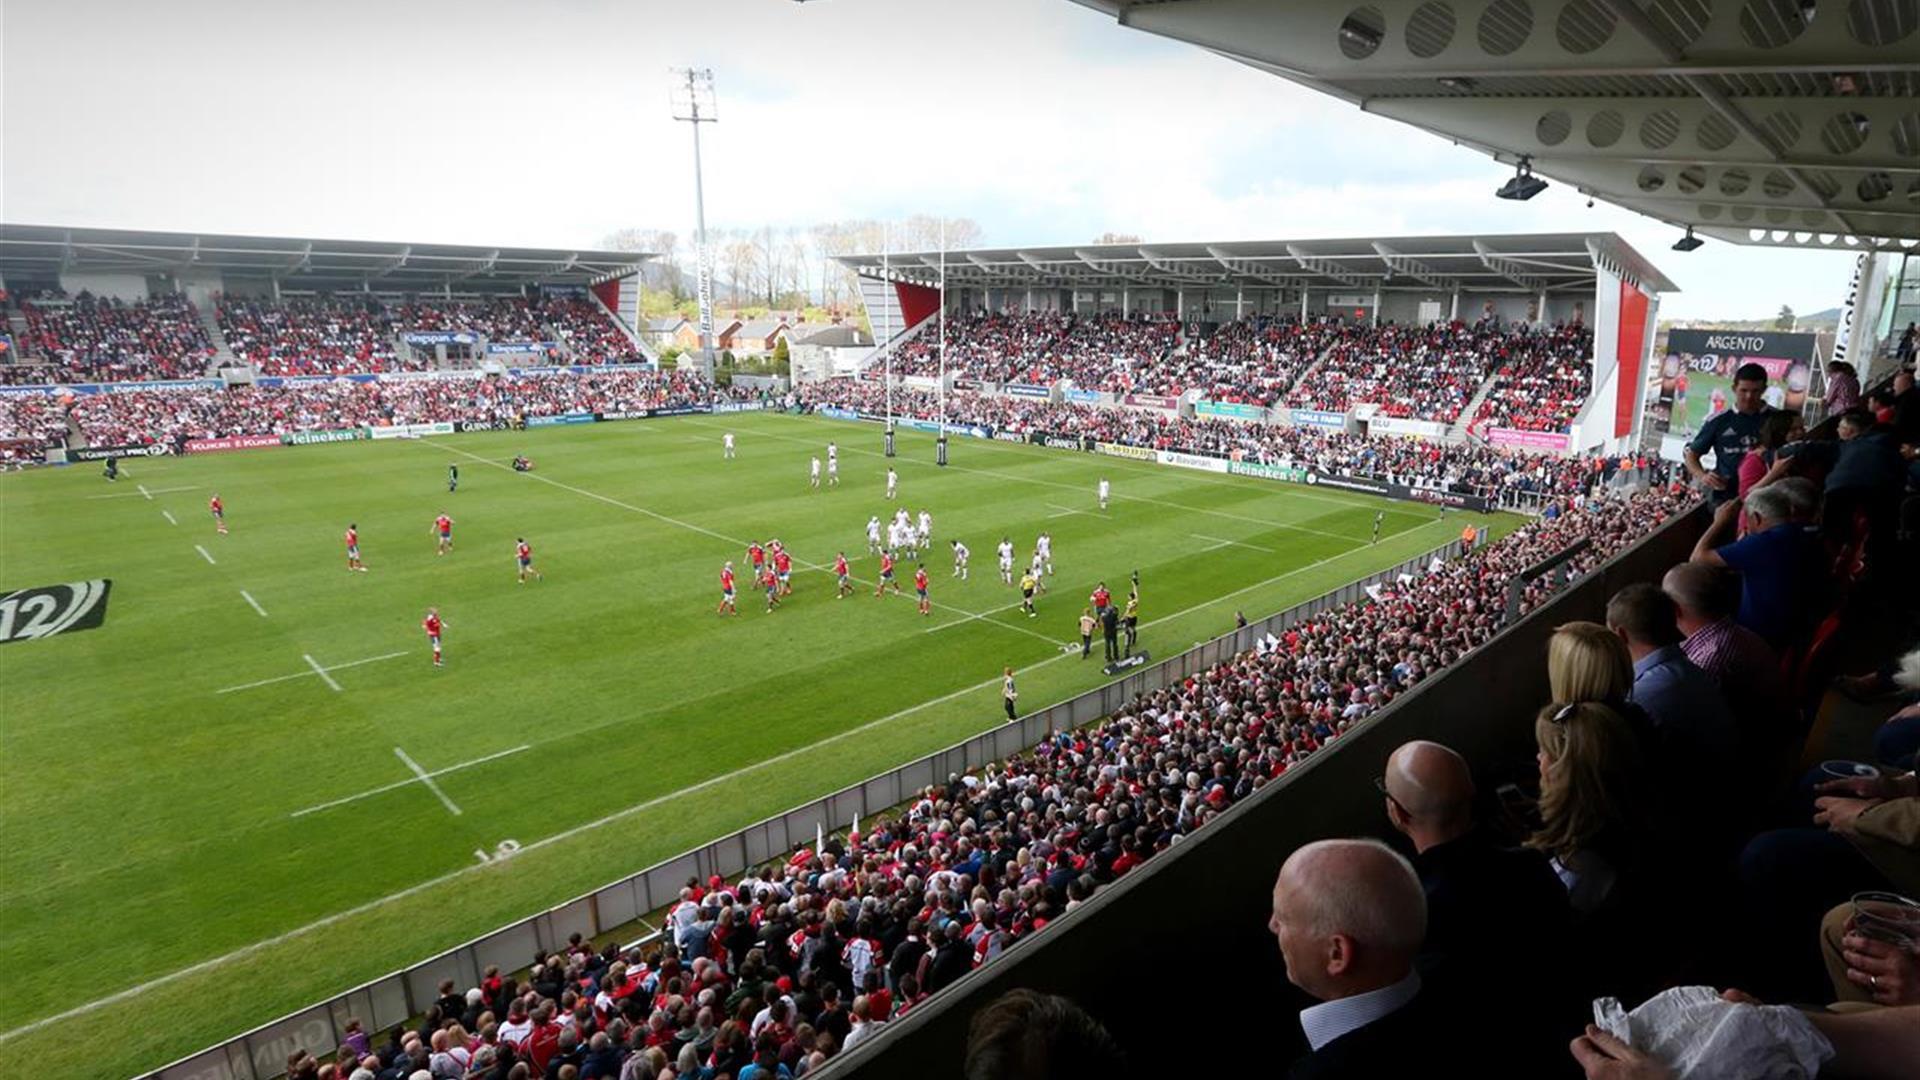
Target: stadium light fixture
x: 1524, y: 184
x: 1688, y: 242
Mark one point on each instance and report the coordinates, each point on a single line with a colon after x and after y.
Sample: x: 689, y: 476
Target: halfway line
x: 426, y: 779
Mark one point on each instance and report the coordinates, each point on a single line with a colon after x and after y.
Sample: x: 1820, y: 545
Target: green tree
x: 1786, y: 319
x: 780, y: 352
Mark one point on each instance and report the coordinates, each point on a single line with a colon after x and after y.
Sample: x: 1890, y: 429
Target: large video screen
x: 1696, y: 372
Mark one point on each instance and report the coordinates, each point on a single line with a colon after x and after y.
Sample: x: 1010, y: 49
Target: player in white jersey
x: 893, y: 482
x: 1043, y: 551
x: 1037, y: 570
x: 1006, y: 560
x: 813, y: 475
x: 727, y: 442
x: 926, y: 528
x: 960, y: 554
x: 1105, y: 490
x: 833, y: 465
x: 873, y: 535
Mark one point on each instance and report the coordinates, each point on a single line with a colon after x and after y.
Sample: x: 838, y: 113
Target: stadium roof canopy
x: 41, y: 251
x: 1790, y: 122
x: 1532, y: 262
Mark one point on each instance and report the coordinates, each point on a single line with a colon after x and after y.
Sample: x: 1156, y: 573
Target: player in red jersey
x: 219, y: 511
x: 783, y: 569
x: 757, y: 558
x: 353, y: 549
x: 920, y: 586
x: 726, y: 592
x: 845, y: 575
x: 1101, y: 598
x: 886, y: 574
x: 772, y: 585
x: 432, y: 625
x: 443, y: 528
x: 524, y: 552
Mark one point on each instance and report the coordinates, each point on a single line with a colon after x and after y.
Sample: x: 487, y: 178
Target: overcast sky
x: 546, y: 123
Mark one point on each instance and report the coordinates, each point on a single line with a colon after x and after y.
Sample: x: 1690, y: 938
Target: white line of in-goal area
x: 217, y: 962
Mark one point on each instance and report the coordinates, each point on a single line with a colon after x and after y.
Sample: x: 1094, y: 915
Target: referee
x: 1132, y: 618
x: 1009, y: 695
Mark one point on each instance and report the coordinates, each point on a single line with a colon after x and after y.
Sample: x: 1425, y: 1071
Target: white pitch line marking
x: 1219, y: 543
x: 216, y: 962
x: 205, y: 554
x: 1065, y: 510
x: 149, y: 494
x: 427, y: 779
x: 370, y: 792
x: 308, y: 674
x: 320, y: 671
x: 254, y: 604
x: 168, y: 514
x: 144, y: 491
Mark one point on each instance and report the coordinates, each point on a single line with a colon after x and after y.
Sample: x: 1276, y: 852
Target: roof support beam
x: 1326, y: 268
x: 1514, y: 270
x: 392, y: 264
x: 1411, y: 267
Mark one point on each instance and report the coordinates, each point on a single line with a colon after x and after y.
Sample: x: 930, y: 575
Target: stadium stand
x: 173, y: 414
x: 1507, y: 476
x: 1426, y: 373
x: 85, y: 338
x: 319, y: 336
x: 1422, y: 373
x: 587, y: 333
x: 1540, y: 387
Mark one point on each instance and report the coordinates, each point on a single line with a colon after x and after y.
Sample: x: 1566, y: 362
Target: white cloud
x: 497, y: 122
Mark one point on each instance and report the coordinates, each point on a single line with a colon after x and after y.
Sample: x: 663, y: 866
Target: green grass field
x: 156, y: 828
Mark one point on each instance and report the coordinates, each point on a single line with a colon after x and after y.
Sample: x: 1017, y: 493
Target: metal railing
x: 398, y: 997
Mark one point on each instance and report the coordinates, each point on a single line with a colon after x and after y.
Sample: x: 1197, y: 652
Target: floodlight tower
x: 691, y: 93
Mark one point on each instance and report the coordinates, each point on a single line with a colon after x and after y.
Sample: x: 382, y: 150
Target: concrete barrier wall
x: 1136, y: 955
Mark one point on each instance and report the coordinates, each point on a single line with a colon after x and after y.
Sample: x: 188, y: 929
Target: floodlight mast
x: 691, y: 94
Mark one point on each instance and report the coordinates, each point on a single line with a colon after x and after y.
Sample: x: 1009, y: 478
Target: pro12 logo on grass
x: 53, y: 609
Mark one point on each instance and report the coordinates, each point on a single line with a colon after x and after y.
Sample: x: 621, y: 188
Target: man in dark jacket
x: 1350, y: 917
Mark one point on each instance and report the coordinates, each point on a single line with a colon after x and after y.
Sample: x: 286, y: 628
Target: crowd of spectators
x: 500, y: 318
x: 1251, y: 361
x: 88, y: 338
x: 1095, y: 352
x: 310, y: 336
x: 171, y: 414
x: 1505, y: 475
x: 1540, y: 384
x: 1414, y: 372
x: 590, y: 337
